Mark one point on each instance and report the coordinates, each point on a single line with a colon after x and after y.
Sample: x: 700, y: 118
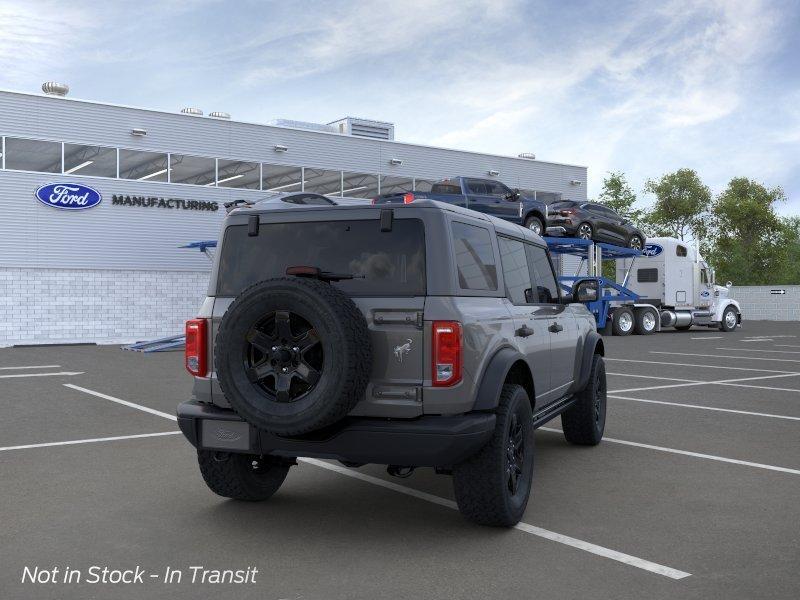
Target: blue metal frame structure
x: 610, y: 291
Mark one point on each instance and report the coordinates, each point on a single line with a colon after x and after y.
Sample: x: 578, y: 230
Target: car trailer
x: 174, y: 342
x: 616, y: 308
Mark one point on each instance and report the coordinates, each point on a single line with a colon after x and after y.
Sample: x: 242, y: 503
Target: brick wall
x: 758, y: 304
x: 47, y: 306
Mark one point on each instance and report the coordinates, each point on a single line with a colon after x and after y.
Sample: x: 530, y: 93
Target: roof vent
x: 51, y: 88
x: 219, y: 115
x: 302, y: 125
x: 192, y: 111
x: 527, y: 155
x: 377, y: 130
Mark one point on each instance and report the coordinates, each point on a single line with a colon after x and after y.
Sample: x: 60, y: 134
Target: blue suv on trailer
x: 483, y: 195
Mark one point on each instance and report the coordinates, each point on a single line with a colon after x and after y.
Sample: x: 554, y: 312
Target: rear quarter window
x: 386, y: 263
x: 474, y: 257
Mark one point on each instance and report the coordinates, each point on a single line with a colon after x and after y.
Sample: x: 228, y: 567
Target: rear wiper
x: 316, y: 273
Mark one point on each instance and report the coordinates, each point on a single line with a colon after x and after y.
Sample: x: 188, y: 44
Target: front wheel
x: 493, y: 486
x: 585, y: 231
x: 584, y: 422
x: 635, y: 242
x: 729, y: 319
x: 535, y: 225
x: 242, y: 476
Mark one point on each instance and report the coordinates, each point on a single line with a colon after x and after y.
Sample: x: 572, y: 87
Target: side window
x: 703, y: 276
x: 544, y: 280
x: 681, y: 250
x: 515, y: 270
x: 474, y: 257
x: 476, y: 186
x: 497, y: 189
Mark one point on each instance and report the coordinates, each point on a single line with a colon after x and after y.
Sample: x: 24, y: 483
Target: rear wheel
x: 584, y: 422
x: 493, y: 486
x: 635, y: 242
x: 645, y: 321
x: 242, y: 476
x: 535, y: 225
x: 623, y: 322
x: 729, y: 319
x: 585, y: 231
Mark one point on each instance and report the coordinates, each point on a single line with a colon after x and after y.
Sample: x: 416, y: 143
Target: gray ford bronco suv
x: 422, y: 335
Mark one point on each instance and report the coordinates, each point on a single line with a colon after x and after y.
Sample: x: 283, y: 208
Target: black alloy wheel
x: 283, y: 356
x: 515, y: 453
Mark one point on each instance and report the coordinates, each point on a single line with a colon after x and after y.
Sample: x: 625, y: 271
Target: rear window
x: 446, y: 187
x: 392, y: 263
x: 562, y: 204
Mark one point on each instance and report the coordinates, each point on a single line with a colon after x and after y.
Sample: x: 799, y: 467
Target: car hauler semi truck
x: 673, y: 277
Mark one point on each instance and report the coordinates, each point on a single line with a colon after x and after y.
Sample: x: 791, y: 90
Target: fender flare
x: 593, y: 345
x: 494, y: 375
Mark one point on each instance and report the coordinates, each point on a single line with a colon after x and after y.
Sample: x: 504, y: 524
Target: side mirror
x: 585, y: 290
x: 512, y: 196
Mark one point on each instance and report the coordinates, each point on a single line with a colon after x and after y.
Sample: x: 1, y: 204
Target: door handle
x: 555, y: 328
x: 524, y: 331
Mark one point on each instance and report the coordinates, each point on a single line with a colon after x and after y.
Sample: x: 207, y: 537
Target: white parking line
x: 654, y: 377
x: 733, y: 461
x: 31, y: 367
x: 656, y: 362
x: 146, y: 409
x: 709, y: 337
x: 63, y: 373
x: 89, y: 441
x: 727, y: 410
x: 760, y: 350
x: 728, y: 356
x: 733, y: 382
x: 787, y: 346
x: 627, y: 559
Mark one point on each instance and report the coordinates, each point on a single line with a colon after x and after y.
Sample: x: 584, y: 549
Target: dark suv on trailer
x: 591, y: 221
x: 412, y: 335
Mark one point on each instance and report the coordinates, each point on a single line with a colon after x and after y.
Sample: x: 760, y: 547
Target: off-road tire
x: 346, y: 348
x: 234, y: 475
x: 584, y: 422
x: 531, y: 221
x: 639, y: 325
x: 618, y: 321
x: 723, y: 325
x: 481, y: 482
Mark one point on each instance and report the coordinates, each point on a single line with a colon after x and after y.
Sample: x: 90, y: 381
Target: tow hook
x: 399, y: 471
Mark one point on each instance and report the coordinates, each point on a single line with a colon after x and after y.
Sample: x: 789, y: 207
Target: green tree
x: 618, y: 195
x: 681, y: 206
x: 751, y: 244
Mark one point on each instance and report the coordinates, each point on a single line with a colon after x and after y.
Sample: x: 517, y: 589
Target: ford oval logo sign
x: 68, y: 196
x: 705, y: 294
x: 652, y: 250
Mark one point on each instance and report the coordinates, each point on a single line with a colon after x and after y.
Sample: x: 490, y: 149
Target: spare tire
x: 293, y: 355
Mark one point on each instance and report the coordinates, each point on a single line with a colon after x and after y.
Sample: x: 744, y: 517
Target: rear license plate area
x: 224, y: 435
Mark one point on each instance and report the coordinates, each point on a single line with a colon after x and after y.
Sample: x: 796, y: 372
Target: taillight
x: 408, y: 198
x: 446, y: 368
x: 568, y: 212
x: 195, y: 354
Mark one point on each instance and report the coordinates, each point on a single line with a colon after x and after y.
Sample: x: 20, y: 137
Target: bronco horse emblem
x: 403, y: 349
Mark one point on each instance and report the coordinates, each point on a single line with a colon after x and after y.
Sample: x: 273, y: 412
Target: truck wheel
x: 623, y: 321
x: 635, y: 242
x: 645, y: 321
x: 535, y: 225
x: 293, y: 355
x: 242, y: 476
x: 729, y: 319
x: 583, y: 422
x: 492, y: 487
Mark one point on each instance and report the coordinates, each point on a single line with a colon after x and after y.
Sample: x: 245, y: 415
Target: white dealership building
x: 95, y: 256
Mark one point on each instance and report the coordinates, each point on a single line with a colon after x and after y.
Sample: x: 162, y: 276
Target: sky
x: 639, y: 87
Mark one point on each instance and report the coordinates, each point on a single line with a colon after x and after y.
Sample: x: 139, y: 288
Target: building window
x: 33, y: 155
x: 474, y: 257
x: 143, y: 166
x: 423, y: 185
x: 280, y: 178
x: 97, y: 161
x: 396, y: 185
x: 194, y: 170
x: 237, y: 174
x: 359, y: 185
x: 324, y: 182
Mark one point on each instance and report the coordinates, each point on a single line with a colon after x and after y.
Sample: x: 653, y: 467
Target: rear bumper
x: 429, y: 441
